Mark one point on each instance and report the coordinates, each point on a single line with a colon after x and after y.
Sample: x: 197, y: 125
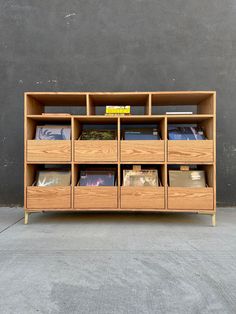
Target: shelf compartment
x: 95, y: 197
x: 139, y: 103
x: 190, y: 198
x: 142, y: 197
x: 48, y: 151
x: 72, y: 103
x: 48, y: 197
x: 142, y: 150
x: 190, y: 151
x: 196, y: 102
x: 98, y: 150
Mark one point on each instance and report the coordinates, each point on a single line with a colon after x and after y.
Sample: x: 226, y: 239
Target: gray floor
x: 116, y: 263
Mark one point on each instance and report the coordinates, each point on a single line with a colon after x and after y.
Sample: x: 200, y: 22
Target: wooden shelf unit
x: 146, y: 108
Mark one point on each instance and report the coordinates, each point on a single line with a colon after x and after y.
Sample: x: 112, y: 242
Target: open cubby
x: 139, y: 103
x: 87, y: 111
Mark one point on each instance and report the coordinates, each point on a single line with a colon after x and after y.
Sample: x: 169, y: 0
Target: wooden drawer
x: 40, y: 150
x: 142, y: 197
x: 142, y: 150
x: 95, y: 150
x: 95, y: 197
x: 190, y: 198
x: 48, y: 197
x: 190, y: 151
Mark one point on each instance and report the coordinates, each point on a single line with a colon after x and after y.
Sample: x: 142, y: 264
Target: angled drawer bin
x: 48, y: 197
x: 190, y: 198
x: 97, y: 150
x: 95, y: 197
x: 190, y: 151
x: 48, y: 150
x: 143, y: 150
x: 142, y: 197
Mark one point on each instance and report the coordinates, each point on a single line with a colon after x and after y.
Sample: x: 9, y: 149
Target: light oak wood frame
x: 35, y: 103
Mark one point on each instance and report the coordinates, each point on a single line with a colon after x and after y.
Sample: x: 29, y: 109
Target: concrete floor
x: 117, y: 263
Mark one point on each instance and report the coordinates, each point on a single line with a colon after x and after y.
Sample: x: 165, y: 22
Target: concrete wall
x: 115, y: 45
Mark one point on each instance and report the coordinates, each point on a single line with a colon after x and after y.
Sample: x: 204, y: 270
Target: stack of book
x: 185, y: 133
x: 117, y: 110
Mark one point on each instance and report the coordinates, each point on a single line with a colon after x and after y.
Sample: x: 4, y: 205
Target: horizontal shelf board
x: 48, y: 162
x: 193, y: 118
x: 189, y: 163
x: 180, y: 98
x: 121, y: 211
x: 142, y: 162
x: 53, y: 118
x: 96, y: 162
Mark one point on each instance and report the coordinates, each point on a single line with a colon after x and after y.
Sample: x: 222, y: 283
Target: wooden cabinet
x: 147, y: 109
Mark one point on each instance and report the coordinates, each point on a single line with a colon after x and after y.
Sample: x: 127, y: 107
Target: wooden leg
x: 213, y: 220
x: 26, y: 218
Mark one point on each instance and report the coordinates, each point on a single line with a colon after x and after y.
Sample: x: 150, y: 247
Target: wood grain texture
x: 95, y: 150
x: 92, y: 197
x: 190, y: 151
x: 48, y: 197
x: 49, y: 150
x: 142, y: 150
x: 190, y: 198
x: 142, y: 197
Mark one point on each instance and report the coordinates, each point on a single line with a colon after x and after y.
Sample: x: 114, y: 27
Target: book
x: 53, y: 132
x: 97, y: 178
x: 117, y: 109
x: 185, y: 133
x: 53, y: 178
x: 141, y: 134
x: 147, y: 177
x: 191, y: 178
x: 179, y: 112
x: 97, y: 134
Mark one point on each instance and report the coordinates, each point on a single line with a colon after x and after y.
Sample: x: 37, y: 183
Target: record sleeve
x: 97, y: 134
x: 141, y: 134
x: 191, y: 178
x: 140, y: 178
x: 53, y: 178
x: 97, y: 178
x: 53, y: 132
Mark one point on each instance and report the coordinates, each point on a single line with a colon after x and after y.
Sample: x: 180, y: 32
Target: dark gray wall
x: 116, y: 45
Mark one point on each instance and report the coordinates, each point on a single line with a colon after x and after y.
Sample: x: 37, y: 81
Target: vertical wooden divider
x: 165, y: 162
x: 72, y: 161
x: 87, y: 105
x: 25, y: 148
x: 118, y: 163
x: 214, y: 141
x: 149, y: 113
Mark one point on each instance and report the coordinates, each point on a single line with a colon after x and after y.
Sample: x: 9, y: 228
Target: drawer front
x: 99, y: 197
x: 95, y: 150
x: 190, y: 198
x: 142, y: 150
x: 142, y: 197
x: 48, y: 197
x: 190, y: 151
x: 39, y: 150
